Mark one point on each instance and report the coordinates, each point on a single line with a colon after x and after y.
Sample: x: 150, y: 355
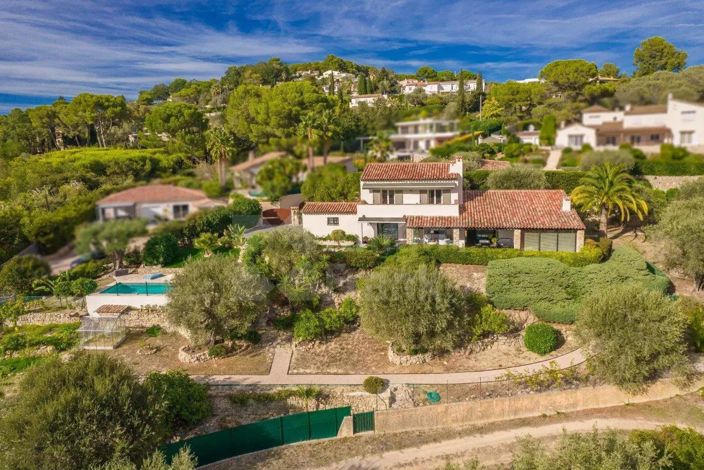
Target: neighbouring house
x: 369, y: 100
x: 408, y: 86
x: 529, y: 136
x: 426, y: 203
x: 493, y: 139
x: 414, y: 139
x: 245, y: 173
x: 154, y: 202
x: 675, y: 122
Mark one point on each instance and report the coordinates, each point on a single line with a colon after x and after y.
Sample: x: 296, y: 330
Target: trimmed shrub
x: 614, y: 157
x: 213, y: 189
x: 374, y: 385
x: 694, y: 312
x: 186, y: 400
x: 360, y: 258
x: 83, y: 286
x: 554, y: 290
x: 153, y: 331
x: 565, y: 180
x: 517, y: 177
x: 413, y: 255
x: 490, y: 321
x: 161, y: 249
x: 541, y: 338
x: 91, y: 269
x: 476, y: 179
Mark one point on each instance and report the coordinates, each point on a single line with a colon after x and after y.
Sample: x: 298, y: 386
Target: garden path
x: 553, y: 160
x: 279, y: 373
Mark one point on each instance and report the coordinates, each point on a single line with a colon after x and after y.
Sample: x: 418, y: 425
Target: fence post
x: 281, y: 430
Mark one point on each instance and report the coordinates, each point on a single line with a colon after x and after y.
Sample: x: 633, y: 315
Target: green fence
x: 261, y: 435
x: 363, y: 422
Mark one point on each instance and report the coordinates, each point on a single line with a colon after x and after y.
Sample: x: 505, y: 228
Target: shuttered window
x: 548, y: 241
x: 566, y: 241
x: 446, y: 197
x: 423, y: 197
x: 376, y: 196
x: 531, y: 241
x: 398, y: 197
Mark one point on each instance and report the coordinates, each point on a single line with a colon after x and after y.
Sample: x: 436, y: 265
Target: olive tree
x: 110, y: 238
x: 632, y: 335
x: 517, y: 177
x: 19, y: 274
x: 215, y: 296
x: 78, y: 414
x: 417, y: 310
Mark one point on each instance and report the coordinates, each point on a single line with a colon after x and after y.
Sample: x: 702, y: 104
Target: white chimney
x: 566, y: 204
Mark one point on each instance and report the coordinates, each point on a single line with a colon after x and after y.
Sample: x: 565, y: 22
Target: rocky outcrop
x: 408, y: 359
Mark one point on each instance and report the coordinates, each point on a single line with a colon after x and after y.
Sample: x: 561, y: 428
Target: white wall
x: 594, y: 119
x: 588, y: 133
x: 317, y: 224
x: 644, y: 120
x: 683, y: 116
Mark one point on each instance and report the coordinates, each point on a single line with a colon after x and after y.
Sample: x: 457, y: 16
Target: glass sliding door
x: 388, y: 230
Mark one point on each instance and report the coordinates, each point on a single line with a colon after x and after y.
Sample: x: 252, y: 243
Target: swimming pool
x: 138, y: 288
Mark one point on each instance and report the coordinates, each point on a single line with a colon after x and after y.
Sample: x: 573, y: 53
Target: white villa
x: 413, y: 139
x: 426, y: 203
x: 410, y: 85
x: 356, y: 100
x: 154, y: 202
x: 676, y: 122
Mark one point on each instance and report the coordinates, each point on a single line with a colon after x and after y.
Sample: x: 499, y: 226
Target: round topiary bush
x: 373, y: 384
x: 541, y: 338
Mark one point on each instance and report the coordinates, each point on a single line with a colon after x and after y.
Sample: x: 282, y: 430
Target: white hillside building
x: 413, y: 139
x: 426, y: 203
x: 677, y: 122
x: 408, y: 86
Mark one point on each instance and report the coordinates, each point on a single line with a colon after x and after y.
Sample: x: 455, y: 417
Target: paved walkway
x: 553, y: 160
x: 279, y: 373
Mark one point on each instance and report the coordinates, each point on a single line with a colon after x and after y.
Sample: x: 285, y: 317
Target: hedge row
x: 670, y: 168
x: 554, y: 291
x: 590, y: 254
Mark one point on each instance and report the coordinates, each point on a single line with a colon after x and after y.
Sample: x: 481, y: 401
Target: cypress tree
x: 361, y: 85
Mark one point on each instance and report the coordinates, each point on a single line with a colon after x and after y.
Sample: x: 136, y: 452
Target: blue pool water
x: 139, y: 288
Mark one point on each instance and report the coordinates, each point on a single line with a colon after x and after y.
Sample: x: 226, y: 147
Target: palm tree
x: 380, y: 147
x: 608, y: 188
x: 234, y: 236
x: 206, y: 242
x: 308, y: 129
x: 220, y: 144
x: 328, y: 128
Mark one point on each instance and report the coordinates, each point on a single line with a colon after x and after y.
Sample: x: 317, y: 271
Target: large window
x: 575, y: 140
x: 387, y: 196
x: 180, y: 211
x: 549, y: 241
x: 435, y: 196
x: 333, y: 221
x: 686, y: 137
x: 635, y: 139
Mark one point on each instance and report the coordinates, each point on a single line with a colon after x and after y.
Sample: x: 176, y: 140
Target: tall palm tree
x: 380, y: 147
x: 328, y: 127
x: 220, y: 144
x: 308, y: 129
x: 608, y: 188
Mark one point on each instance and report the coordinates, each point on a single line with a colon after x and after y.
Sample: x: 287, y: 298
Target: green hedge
x: 590, y: 254
x: 554, y: 290
x: 690, y: 166
x: 476, y: 179
x: 565, y: 180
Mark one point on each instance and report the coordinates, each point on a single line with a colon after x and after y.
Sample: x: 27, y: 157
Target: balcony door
x: 388, y: 230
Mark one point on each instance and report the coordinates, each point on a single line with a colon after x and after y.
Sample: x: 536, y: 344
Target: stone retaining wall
x: 664, y: 183
x: 521, y: 406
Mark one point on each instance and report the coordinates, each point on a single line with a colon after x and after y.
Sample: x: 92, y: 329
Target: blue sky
x: 63, y: 47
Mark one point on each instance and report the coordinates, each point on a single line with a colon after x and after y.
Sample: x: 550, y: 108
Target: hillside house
x: 426, y: 203
x: 414, y: 139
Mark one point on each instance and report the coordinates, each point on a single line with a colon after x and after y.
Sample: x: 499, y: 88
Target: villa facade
x: 426, y: 203
x: 410, y: 85
x: 414, y: 139
x: 677, y: 122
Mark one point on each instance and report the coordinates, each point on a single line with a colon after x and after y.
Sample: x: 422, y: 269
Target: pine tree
x: 461, y: 97
x: 361, y: 85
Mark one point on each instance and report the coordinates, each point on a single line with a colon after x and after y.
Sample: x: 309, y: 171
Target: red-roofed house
x: 426, y: 203
x: 154, y: 202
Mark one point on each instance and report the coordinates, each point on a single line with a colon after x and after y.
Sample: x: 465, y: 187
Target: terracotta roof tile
x: 595, y: 109
x: 507, y: 209
x: 408, y: 172
x: 154, y: 193
x: 648, y: 109
x: 329, y: 208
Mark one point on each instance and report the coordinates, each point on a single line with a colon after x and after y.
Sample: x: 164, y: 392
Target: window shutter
x: 531, y: 241
x: 548, y: 241
x: 398, y: 197
x: 376, y: 196
x: 566, y: 241
x: 424, y: 197
x: 446, y: 197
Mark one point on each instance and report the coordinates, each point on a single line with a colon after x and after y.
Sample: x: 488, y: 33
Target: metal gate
x: 363, y: 422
